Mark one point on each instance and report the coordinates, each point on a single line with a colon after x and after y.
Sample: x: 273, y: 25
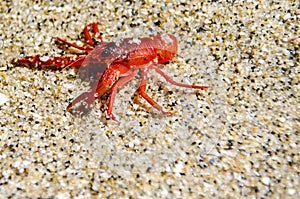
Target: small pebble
x: 3, y: 98
x: 292, y: 192
x: 265, y: 180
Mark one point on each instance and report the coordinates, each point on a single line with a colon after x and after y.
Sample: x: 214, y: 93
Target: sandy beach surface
x: 238, y: 139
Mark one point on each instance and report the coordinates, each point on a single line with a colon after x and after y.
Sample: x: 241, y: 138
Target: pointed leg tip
x: 201, y: 87
x: 169, y: 112
x: 114, y: 119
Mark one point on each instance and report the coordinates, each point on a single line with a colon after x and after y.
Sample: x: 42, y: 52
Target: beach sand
x: 239, y: 138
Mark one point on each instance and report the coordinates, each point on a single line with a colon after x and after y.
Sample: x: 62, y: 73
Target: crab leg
x: 142, y: 91
x: 107, y: 80
x: 114, y: 88
x: 170, y: 80
x: 96, y: 31
x: 89, y: 96
x: 88, y: 38
x: 83, y: 48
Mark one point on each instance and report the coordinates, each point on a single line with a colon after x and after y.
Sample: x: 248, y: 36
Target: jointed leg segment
x: 142, y: 91
x: 83, y: 48
x: 114, y: 88
x: 169, y: 79
x: 88, y: 38
x: 96, y: 31
x: 143, y: 86
x: 89, y: 96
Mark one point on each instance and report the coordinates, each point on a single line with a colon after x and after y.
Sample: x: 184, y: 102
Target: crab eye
x: 109, y: 48
x: 105, y: 53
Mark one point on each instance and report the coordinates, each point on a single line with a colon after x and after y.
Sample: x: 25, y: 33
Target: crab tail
x: 45, y: 62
